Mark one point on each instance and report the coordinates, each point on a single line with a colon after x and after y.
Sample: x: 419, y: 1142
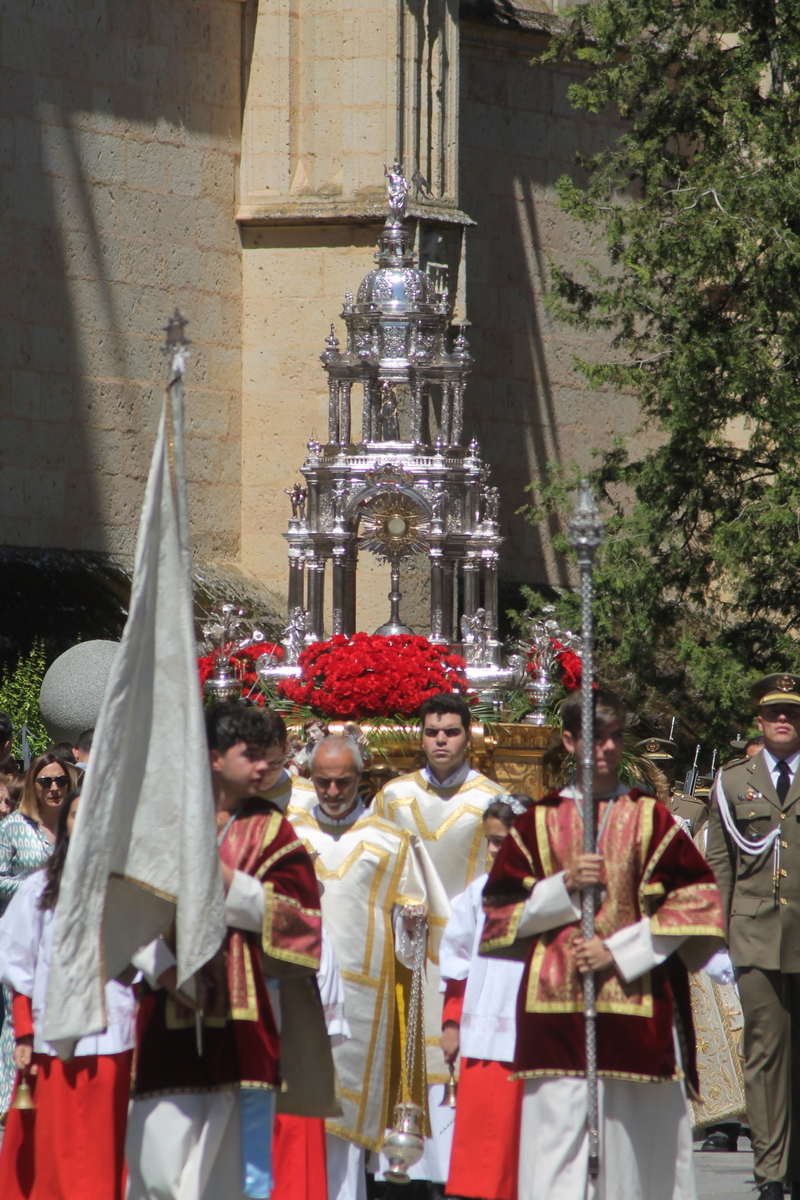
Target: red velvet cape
x: 652, y: 870
x: 241, y: 1044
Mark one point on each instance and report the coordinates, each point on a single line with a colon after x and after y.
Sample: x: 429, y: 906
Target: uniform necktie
x: 784, y: 776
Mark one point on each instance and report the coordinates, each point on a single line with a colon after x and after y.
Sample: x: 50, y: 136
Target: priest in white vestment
x: 370, y: 872
x: 443, y: 804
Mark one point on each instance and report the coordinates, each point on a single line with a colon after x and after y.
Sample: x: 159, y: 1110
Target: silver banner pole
x: 585, y: 535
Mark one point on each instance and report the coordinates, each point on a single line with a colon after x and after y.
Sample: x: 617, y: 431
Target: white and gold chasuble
x: 449, y: 823
x: 364, y: 870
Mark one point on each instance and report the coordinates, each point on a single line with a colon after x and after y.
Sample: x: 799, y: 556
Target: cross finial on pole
x: 177, y: 344
x: 585, y: 526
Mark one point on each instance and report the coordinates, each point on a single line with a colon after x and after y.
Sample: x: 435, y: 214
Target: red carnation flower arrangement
x: 373, y: 676
x: 244, y: 661
x: 571, y: 667
x: 570, y: 663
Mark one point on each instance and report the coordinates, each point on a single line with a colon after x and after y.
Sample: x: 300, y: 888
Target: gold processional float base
x: 521, y: 758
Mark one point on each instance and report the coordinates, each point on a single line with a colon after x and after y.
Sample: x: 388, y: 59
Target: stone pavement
x: 725, y: 1176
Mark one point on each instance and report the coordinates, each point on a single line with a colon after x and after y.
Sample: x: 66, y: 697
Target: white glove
x: 720, y: 968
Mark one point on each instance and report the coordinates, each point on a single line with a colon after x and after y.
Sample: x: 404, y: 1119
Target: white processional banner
x: 143, y: 853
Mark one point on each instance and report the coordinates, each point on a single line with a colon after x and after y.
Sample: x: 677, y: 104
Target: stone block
x: 224, y: 367
x: 147, y: 165
x: 24, y: 45
x: 16, y: 91
x: 105, y: 58
x: 59, y: 151
x: 202, y: 460
x: 105, y: 452
x: 15, y: 344
x: 206, y: 416
x: 223, y: 274
x: 6, y: 142
x: 102, y: 157
x: 145, y: 263
x: 146, y: 66
x: 216, y: 82
x: 12, y: 508
x: 43, y: 493
x: 49, y: 349
x: 185, y: 167
x: 217, y: 176
x: 26, y: 389
x: 24, y: 198
x: 214, y: 225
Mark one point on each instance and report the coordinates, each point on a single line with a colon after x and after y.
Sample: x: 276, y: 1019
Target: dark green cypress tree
x: 697, y: 205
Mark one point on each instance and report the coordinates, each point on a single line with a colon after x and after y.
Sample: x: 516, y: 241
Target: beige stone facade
x: 227, y: 158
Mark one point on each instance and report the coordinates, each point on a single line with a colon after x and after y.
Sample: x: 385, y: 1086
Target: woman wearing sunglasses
x: 26, y: 842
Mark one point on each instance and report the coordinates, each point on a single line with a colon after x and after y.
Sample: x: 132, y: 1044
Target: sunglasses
x: 47, y: 781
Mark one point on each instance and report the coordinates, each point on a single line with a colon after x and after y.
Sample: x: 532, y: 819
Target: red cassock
x: 241, y: 1043
x: 485, y: 1153
x: 72, y: 1142
x: 298, y: 1158
x: 652, y: 870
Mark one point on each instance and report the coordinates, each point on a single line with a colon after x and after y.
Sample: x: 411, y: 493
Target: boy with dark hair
x: 442, y: 804
x: 659, y: 914
x: 208, y: 1064
x: 263, y: 729
x: 447, y: 702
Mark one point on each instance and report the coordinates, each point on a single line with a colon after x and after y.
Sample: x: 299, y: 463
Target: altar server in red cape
x: 479, y: 1023
x: 660, y: 914
x: 71, y: 1146
x: 209, y: 1065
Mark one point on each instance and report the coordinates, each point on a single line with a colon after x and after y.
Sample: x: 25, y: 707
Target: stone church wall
x: 119, y: 145
x: 527, y: 403
x: 227, y: 157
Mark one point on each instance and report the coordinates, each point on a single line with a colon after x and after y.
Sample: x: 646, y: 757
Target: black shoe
x: 720, y: 1142
x: 771, y: 1191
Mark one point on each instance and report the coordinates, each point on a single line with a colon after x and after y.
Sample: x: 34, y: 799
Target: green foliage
x: 697, y: 206
x: 19, y: 697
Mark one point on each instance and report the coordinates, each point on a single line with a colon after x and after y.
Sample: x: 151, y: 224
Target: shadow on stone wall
x: 119, y: 134
x: 62, y: 597
x: 525, y: 402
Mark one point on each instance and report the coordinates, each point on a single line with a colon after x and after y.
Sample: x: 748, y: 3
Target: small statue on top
x: 398, y: 193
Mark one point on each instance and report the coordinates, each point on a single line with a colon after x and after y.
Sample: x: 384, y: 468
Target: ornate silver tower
x: 408, y: 486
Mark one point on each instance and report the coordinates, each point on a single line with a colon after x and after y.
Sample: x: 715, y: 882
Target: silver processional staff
x: 585, y: 535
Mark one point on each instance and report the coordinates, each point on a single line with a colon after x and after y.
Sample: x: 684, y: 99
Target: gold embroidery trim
x: 250, y: 1013
x: 507, y: 938
x: 542, y: 839
x: 639, y: 1008
x: 271, y: 832
x: 630, y: 1077
x: 435, y: 835
x: 302, y: 960
x: 648, y: 805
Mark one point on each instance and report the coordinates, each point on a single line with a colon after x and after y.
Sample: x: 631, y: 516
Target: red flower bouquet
x: 245, y: 663
x: 569, y: 662
x: 373, y: 676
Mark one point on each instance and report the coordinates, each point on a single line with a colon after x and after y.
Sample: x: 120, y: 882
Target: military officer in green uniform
x: 754, y: 850
x: 691, y: 811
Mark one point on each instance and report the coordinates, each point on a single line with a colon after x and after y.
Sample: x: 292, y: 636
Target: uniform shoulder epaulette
x: 734, y: 762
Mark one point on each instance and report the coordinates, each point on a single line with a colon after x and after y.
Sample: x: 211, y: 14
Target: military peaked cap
x: 776, y: 689
x: 657, y: 749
